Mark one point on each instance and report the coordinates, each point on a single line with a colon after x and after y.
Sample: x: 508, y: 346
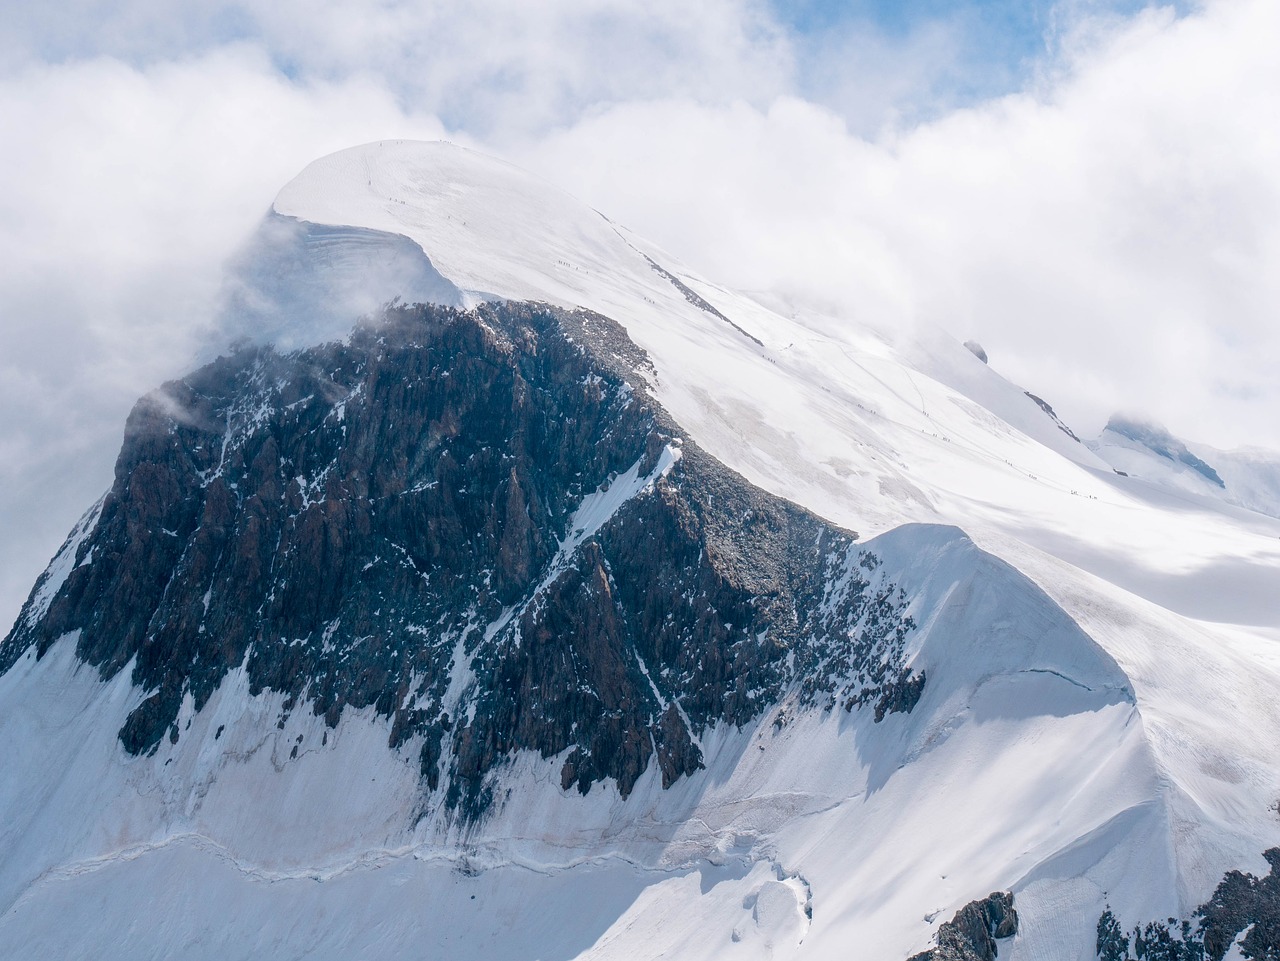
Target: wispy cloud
x: 1108, y: 232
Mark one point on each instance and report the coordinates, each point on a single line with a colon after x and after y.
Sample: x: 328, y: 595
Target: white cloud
x: 123, y: 192
x: 1111, y: 235
x: 486, y: 66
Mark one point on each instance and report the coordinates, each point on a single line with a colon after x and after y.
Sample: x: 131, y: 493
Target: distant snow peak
x: 1160, y: 442
x: 1248, y: 477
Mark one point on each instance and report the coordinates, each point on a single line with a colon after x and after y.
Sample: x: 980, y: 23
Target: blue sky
x: 870, y: 60
x: 1007, y: 24
x: 1006, y: 31
x: 981, y: 48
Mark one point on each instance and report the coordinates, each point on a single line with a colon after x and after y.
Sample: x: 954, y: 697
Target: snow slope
x: 1103, y: 660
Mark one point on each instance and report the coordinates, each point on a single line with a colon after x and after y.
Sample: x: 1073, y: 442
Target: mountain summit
x: 513, y: 591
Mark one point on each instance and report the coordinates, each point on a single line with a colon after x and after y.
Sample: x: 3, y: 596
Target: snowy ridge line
x: 689, y: 294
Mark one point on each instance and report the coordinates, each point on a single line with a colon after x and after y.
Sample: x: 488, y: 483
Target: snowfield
x: 1099, y: 724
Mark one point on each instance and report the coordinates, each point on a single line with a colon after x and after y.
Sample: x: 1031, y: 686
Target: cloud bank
x: 1108, y: 226
x: 1110, y: 234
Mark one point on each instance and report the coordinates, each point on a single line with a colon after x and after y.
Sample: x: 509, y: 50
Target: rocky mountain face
x: 1242, y: 917
x: 481, y: 525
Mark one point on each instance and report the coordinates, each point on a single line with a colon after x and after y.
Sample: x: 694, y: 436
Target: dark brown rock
x: 972, y: 934
x: 337, y: 520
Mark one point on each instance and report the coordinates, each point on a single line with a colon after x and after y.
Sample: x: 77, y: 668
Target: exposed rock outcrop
x: 972, y: 934
x: 1244, y: 911
x: 481, y: 525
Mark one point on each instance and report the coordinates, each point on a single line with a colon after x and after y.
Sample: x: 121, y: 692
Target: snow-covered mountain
x: 1248, y: 478
x: 529, y: 621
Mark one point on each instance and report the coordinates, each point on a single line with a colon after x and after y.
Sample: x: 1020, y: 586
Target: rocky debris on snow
x: 972, y: 934
x: 1244, y: 912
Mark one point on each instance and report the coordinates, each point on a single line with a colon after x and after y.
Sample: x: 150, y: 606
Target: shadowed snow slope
x: 1097, y: 726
